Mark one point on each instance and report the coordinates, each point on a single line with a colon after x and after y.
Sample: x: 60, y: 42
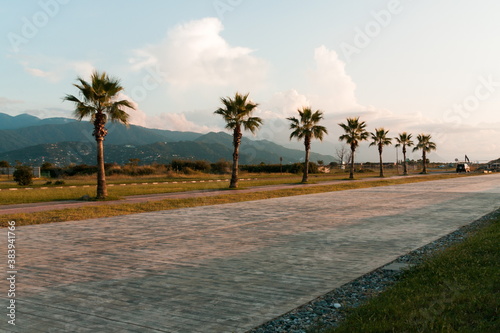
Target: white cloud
x: 331, y: 88
x: 168, y: 121
x: 37, y: 72
x: 194, y: 54
x: 6, y: 101
x: 176, y: 122
x: 286, y: 103
x: 333, y: 91
x: 55, y: 70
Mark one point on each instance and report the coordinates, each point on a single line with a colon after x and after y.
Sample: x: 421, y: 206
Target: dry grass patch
x: 117, y: 209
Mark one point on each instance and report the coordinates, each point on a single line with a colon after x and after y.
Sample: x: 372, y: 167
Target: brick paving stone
x: 225, y: 268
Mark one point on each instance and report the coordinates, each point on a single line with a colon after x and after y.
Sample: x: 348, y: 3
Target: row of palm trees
x: 237, y: 114
x: 99, y: 101
x: 355, y: 132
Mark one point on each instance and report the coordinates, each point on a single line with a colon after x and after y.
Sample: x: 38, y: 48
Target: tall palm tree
x: 237, y: 114
x: 306, y: 127
x: 380, y: 139
x: 426, y: 145
x: 404, y: 140
x: 355, y: 132
x: 99, y: 102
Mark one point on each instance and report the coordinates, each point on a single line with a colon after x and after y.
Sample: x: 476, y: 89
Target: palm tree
x: 426, y: 145
x: 355, y: 132
x: 100, y: 103
x: 404, y: 140
x: 380, y: 139
x: 306, y: 127
x: 237, y: 114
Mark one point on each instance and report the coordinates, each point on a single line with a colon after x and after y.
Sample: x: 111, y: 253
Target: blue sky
x: 417, y: 66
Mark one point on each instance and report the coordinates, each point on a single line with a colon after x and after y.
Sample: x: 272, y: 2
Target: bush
x: 23, y: 175
x: 60, y: 182
x: 81, y: 169
x: 116, y: 170
x: 181, y: 165
x: 221, y: 167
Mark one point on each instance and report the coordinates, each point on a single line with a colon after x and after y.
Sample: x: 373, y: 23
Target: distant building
x: 10, y: 171
x: 494, y: 165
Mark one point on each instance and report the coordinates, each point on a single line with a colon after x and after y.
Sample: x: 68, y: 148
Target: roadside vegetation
x: 116, y: 208
x: 457, y: 290
x: 119, y: 185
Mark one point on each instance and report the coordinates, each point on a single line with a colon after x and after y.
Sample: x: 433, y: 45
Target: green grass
x: 457, y: 290
x: 116, y: 209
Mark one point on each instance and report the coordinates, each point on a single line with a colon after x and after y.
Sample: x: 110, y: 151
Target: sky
x: 425, y: 66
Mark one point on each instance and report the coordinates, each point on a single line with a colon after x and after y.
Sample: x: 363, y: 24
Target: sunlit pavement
x: 224, y: 268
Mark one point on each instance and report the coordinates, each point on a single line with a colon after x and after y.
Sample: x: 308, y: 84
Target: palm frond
x: 354, y: 132
x: 99, y: 98
x: 238, y: 111
x: 306, y: 125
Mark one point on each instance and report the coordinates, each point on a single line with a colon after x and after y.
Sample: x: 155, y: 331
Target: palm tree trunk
x: 102, y: 191
x: 307, y: 145
x: 424, y: 162
x: 236, y: 143
x: 405, y: 170
x: 351, y: 171
x: 380, y: 162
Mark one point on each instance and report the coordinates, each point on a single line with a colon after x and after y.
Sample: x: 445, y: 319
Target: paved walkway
x: 225, y: 268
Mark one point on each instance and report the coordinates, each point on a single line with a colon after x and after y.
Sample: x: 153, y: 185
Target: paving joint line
x: 94, y: 315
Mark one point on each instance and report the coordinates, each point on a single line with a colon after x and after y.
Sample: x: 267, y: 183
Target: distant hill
x: 63, y: 141
x: 262, y: 150
x: 26, y: 120
x: 64, y: 153
x: 54, y: 130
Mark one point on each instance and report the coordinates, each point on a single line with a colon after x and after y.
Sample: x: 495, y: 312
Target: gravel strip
x: 329, y: 310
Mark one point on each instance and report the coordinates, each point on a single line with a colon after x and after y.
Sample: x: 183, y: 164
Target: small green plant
x: 23, y: 175
x: 60, y: 182
x: 48, y: 182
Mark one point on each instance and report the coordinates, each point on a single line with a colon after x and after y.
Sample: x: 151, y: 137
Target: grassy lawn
x: 457, y: 290
x: 116, y: 209
x: 73, y: 190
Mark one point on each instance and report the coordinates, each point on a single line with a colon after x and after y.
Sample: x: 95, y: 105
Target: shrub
x: 115, y: 170
x: 60, y: 182
x: 221, y: 167
x: 81, y: 169
x: 145, y: 170
x: 188, y: 171
x: 23, y: 175
x: 180, y: 165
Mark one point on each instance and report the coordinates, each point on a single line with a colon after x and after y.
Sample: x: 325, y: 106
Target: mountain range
x: 62, y: 141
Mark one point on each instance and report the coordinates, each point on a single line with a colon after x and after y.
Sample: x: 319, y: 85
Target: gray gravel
x: 330, y: 309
